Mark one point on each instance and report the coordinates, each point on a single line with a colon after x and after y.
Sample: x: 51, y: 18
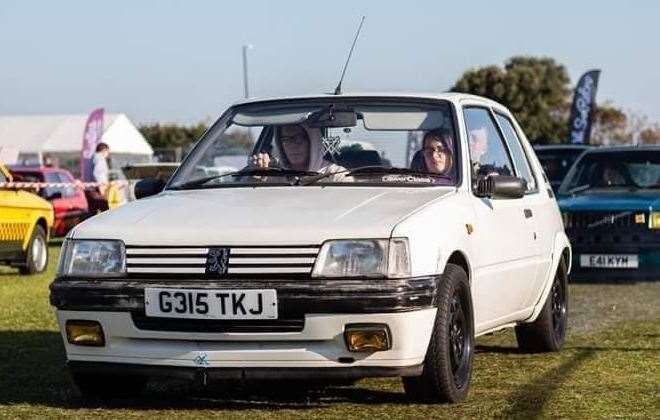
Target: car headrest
x: 417, y: 163
x: 356, y: 158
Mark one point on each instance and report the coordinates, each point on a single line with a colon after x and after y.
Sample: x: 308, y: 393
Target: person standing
x: 96, y: 196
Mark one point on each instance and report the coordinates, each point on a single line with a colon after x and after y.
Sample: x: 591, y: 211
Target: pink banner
x: 91, y: 137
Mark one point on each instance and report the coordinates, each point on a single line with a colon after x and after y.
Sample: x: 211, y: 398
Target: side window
x: 488, y: 155
x: 69, y: 190
x: 3, y: 178
x: 48, y: 192
x: 517, y: 151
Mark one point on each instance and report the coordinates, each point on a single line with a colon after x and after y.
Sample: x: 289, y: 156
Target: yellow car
x: 25, y: 220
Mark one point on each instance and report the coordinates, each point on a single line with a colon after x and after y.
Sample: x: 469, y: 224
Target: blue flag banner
x: 584, y: 100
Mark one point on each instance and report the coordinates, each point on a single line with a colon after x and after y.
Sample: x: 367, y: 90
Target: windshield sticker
x: 331, y: 144
x: 407, y: 178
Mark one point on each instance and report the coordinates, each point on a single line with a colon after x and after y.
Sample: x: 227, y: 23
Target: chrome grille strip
x: 244, y: 260
x: 173, y: 250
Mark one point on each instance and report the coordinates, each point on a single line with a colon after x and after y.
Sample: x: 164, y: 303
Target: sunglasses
x: 431, y: 150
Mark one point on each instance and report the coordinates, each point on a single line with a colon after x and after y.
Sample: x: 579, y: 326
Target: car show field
x: 612, y: 353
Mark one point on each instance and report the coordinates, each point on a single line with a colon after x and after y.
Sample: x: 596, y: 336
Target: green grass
x: 609, y: 369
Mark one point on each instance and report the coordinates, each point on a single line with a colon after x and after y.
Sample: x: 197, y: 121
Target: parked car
x: 294, y: 267
x: 557, y: 159
x: 610, y: 202
x: 69, y: 202
x: 25, y: 220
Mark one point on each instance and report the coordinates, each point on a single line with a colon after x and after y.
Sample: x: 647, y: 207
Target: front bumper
x: 316, y: 347
x: 203, y: 375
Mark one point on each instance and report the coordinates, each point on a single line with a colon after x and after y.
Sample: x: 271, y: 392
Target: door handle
x: 528, y: 213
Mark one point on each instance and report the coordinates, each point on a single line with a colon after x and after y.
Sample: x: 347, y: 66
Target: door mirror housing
x: 501, y: 186
x: 148, y: 186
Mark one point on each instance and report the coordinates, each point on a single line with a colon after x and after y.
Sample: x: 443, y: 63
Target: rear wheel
x: 36, y: 256
x: 448, y: 362
x: 548, y: 332
x: 103, y: 386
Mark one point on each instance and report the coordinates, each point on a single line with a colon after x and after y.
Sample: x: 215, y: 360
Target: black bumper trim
x: 295, y: 298
x: 242, y: 374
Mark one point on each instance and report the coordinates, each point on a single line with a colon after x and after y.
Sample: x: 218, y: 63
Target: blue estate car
x: 610, y: 203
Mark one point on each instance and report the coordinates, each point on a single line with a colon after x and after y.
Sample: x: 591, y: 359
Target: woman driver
x: 301, y: 150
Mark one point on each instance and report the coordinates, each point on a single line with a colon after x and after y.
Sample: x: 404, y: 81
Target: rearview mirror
x: 331, y: 117
x: 500, y: 186
x: 148, y: 186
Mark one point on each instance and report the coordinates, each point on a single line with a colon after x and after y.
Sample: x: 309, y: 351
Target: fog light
x: 85, y: 333
x: 367, y: 337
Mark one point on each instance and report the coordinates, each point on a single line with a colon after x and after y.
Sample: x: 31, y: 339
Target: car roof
x: 563, y: 146
x: 448, y: 96
x: 42, y: 169
x: 629, y: 148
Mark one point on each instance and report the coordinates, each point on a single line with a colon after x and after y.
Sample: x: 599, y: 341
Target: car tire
x: 36, y: 256
x: 448, y: 362
x: 102, y: 386
x: 548, y: 332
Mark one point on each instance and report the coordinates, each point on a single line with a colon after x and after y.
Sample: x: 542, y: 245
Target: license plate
x: 211, y: 304
x: 609, y: 261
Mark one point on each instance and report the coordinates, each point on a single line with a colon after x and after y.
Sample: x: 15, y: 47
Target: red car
x: 69, y: 202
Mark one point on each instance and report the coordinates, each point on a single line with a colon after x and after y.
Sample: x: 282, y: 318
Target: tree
x: 536, y: 90
x: 650, y: 135
x: 610, y: 125
x: 163, y: 136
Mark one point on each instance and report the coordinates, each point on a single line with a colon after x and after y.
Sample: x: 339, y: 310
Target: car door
x: 12, y: 227
x: 55, y: 195
x: 537, y: 203
x: 75, y: 200
x: 503, y: 236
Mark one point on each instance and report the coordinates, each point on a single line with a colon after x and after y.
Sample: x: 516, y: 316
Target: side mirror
x: 501, y: 186
x: 148, y: 186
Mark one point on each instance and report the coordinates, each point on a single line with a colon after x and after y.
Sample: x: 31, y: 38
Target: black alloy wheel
x: 548, y: 331
x: 460, y: 345
x: 448, y: 362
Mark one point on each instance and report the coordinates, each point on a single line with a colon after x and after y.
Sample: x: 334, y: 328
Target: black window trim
x: 536, y: 189
x: 488, y: 109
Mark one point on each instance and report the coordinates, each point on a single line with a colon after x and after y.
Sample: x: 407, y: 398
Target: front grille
x: 591, y: 220
x: 289, y: 324
x: 241, y: 261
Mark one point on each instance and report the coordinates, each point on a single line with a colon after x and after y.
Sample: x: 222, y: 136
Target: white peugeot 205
x: 346, y: 236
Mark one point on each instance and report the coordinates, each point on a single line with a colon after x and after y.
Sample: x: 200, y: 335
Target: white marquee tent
x: 60, y: 136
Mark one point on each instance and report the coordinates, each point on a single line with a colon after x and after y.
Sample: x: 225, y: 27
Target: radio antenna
x: 350, y: 53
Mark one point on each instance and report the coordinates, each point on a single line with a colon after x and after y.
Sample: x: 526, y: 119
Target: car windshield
x: 335, y: 141
x: 556, y: 163
x: 638, y: 169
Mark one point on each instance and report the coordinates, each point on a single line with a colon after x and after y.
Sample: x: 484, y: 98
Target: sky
x: 180, y: 61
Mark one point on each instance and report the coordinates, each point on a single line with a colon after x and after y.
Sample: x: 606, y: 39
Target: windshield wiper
x: 369, y: 170
x: 244, y: 172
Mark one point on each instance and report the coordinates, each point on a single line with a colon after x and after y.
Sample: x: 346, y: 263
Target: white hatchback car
x: 367, y: 235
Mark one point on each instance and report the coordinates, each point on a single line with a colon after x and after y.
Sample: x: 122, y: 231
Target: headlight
x: 363, y: 258
x: 92, y: 258
x: 654, y: 220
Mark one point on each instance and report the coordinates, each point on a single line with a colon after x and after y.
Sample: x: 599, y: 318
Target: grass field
x: 609, y: 369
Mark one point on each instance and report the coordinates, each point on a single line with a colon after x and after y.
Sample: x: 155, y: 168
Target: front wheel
x: 36, y: 255
x: 448, y: 362
x: 548, y: 332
